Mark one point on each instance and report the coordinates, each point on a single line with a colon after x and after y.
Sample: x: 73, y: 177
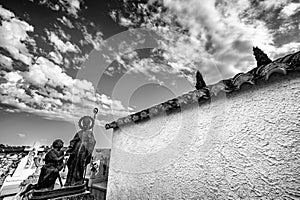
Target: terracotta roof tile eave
x: 290, y: 62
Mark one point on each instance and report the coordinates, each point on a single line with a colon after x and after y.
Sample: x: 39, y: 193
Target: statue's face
x: 86, y: 123
x: 58, y: 144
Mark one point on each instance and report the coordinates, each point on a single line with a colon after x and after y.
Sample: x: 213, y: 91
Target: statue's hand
x: 60, y: 167
x: 68, y: 150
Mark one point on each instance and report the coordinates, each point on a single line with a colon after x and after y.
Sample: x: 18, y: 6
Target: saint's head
x: 58, y: 144
x: 86, y: 123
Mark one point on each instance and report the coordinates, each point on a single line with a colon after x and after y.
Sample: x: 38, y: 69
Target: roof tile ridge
x: 289, y: 62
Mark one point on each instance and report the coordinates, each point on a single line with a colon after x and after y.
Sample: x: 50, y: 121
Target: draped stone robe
x: 80, y: 149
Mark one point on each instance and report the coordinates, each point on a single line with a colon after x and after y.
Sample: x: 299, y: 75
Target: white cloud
x: 76, y: 99
x: 6, y: 14
x: 208, y: 34
x: 290, y: 9
x: 13, y: 77
x: 62, y: 33
x: 125, y: 22
x: 45, y: 71
x: 222, y: 26
x: 13, y: 33
x: 290, y: 47
x: 45, y: 89
x: 11, y: 93
x: 62, y: 46
x: 71, y: 6
x: 56, y: 57
x: 21, y: 135
x: 66, y: 22
x: 6, y: 62
x: 113, y: 15
x: 95, y: 40
x: 268, y: 4
x: 79, y: 60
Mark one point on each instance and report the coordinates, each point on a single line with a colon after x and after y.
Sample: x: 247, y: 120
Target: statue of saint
x: 80, y: 149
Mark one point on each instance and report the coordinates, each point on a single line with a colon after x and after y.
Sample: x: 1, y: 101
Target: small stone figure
x: 260, y: 57
x: 50, y: 170
x: 200, y: 83
x: 53, y: 164
x: 80, y: 150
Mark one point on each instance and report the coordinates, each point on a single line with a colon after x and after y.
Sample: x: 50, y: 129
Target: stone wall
x: 243, y: 145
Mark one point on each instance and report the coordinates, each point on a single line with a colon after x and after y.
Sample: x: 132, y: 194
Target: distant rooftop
x: 265, y: 68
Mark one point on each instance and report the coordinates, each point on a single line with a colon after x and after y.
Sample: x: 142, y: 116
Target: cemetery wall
x: 242, y: 145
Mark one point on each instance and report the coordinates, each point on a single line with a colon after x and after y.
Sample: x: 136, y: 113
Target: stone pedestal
x: 83, y: 196
x: 99, y: 190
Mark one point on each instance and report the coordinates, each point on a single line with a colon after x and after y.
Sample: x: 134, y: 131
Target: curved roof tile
x: 290, y: 62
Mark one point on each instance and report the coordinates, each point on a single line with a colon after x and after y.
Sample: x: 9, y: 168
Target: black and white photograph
x: 149, y: 99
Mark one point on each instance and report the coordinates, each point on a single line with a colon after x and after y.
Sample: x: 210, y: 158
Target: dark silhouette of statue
x: 80, y: 150
x: 53, y: 164
x: 50, y: 170
x: 261, y: 57
x: 200, y: 83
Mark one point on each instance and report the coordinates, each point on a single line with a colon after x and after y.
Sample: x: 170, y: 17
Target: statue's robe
x: 80, y: 149
x: 50, y: 170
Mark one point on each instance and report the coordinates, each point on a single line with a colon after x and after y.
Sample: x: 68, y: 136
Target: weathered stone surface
x: 99, y: 190
x: 243, y: 146
x: 85, y: 196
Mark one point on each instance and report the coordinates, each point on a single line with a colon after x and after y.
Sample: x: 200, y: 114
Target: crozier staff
x: 80, y: 149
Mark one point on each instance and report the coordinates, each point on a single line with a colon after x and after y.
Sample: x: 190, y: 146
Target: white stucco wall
x: 243, y: 146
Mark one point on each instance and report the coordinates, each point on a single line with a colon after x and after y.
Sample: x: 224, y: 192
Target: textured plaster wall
x: 243, y: 146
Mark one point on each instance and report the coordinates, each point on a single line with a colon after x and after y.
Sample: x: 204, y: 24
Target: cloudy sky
x: 61, y: 58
